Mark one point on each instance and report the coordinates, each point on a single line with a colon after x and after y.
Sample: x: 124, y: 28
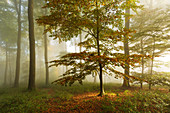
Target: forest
x: 85, y: 56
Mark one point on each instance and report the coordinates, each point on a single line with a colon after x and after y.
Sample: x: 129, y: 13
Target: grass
x: 78, y: 98
x: 22, y: 101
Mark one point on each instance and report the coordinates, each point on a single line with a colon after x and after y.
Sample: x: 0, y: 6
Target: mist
x: 133, y: 49
x: 55, y: 48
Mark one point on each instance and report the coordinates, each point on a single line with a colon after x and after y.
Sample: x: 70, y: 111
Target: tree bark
x: 46, y: 57
x: 141, y: 85
x: 17, y: 72
x: 142, y: 52
x: 31, y: 84
x: 126, y: 49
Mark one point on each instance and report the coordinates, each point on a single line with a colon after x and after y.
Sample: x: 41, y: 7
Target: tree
x: 98, y: 19
x: 6, y: 66
x: 46, y: 54
x: 7, y: 38
x: 46, y: 57
x: 12, y: 15
x: 17, y: 74
x: 151, y: 37
x: 39, y: 33
x: 126, y: 47
x: 31, y: 84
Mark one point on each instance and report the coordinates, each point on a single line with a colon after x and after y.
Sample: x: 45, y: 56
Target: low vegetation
x: 83, y: 98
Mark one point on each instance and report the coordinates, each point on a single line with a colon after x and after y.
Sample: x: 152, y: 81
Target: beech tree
x: 126, y: 46
x: 31, y: 84
x: 7, y: 38
x: 18, y: 10
x: 40, y: 37
x: 46, y: 54
x: 151, y: 38
x: 102, y: 21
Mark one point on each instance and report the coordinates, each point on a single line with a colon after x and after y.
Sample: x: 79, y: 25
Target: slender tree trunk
x: 10, y: 70
x: 149, y: 86
x: 46, y: 57
x: 142, y: 52
x: 100, y: 76
x: 94, y: 75
x: 31, y: 84
x: 98, y: 51
x: 141, y: 85
x: 80, y: 41
x: 66, y: 53
x: 153, y: 51
x: 80, y: 49
x: 80, y: 45
x: 17, y: 72
x: 152, y: 60
x: 6, y: 66
x: 126, y: 49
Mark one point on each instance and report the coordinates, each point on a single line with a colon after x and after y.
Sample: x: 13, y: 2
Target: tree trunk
x: 141, y: 85
x: 149, y: 86
x: 46, y: 57
x: 153, y: 51
x: 94, y: 75
x: 126, y: 49
x: 6, y: 66
x: 80, y: 41
x: 153, y: 56
x: 31, y: 84
x: 142, y: 52
x: 98, y: 51
x: 80, y: 49
x: 10, y: 70
x: 17, y: 72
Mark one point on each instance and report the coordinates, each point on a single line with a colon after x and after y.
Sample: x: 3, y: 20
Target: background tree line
x: 108, y: 39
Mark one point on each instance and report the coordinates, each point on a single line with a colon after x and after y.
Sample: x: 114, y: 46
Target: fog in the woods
x: 56, y: 48
x: 84, y: 56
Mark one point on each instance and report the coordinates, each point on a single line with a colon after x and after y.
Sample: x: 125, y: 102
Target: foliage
x: 23, y: 102
x: 151, y: 38
x: 102, y: 21
x: 7, y: 16
x: 142, y: 101
x: 158, y: 78
x: 80, y: 69
x: 82, y: 98
x: 149, y: 25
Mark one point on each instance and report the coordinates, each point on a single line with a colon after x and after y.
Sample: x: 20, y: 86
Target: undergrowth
x: 138, y: 102
x: 22, y: 101
x: 116, y: 99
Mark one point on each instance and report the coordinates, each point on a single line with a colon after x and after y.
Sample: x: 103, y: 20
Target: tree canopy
x: 102, y: 22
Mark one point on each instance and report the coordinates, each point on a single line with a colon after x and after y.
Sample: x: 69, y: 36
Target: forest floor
x: 84, y: 99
